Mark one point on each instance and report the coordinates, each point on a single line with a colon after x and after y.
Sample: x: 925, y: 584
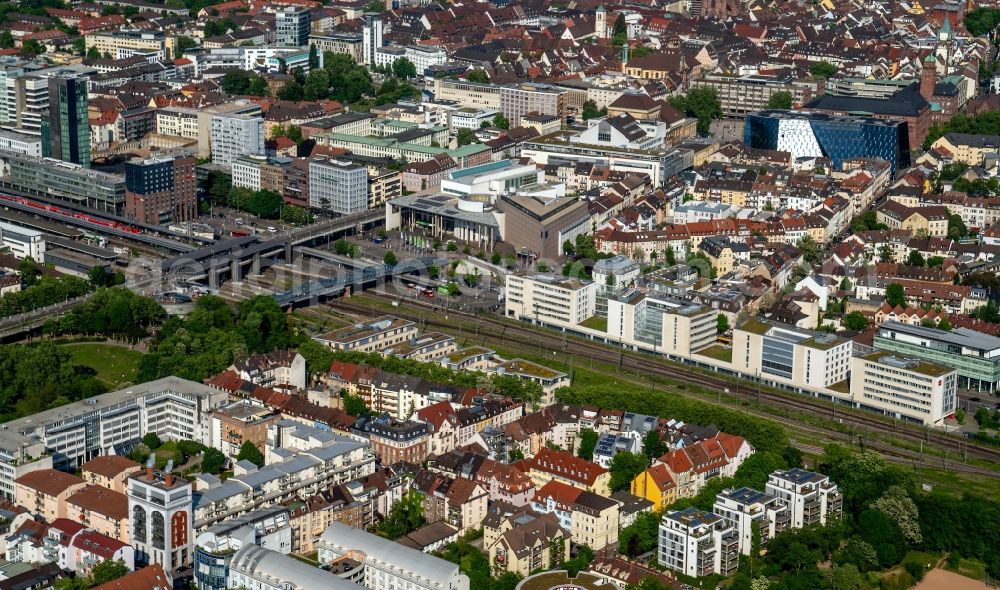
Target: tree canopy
x: 780, y: 100
x: 702, y: 103
x: 823, y: 69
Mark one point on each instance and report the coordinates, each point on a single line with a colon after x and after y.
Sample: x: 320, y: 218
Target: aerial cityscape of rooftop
x: 506, y: 295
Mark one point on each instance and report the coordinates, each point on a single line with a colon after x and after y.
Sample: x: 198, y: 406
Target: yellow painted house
x: 656, y: 485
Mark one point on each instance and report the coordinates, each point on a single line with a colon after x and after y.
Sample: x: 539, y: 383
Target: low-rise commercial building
x: 65, y: 181
x: 22, y: 242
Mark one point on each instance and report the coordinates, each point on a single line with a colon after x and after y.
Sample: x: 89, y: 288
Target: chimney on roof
x: 149, y: 466
x: 168, y: 474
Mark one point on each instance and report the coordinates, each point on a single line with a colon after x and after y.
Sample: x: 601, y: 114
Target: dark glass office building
x: 66, y: 127
x: 810, y: 134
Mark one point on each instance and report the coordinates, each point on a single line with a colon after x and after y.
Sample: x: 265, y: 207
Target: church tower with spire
x: 601, y: 22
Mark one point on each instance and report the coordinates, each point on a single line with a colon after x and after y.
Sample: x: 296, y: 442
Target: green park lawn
x: 116, y: 366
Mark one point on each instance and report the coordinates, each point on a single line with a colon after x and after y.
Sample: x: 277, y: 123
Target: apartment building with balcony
x: 100, y: 509
x: 300, y: 460
x: 110, y: 471
x: 238, y: 423
x: 557, y: 465
x: 591, y: 519
x: 43, y: 492
x: 743, y: 507
x: 697, y: 543
x: 268, y: 528
x: 811, y: 497
x: 523, y: 542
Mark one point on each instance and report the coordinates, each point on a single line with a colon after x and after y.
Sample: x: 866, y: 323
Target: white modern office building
x: 745, y: 506
x: 108, y: 424
x: 495, y: 178
x: 472, y: 117
x: 422, y: 56
x: 338, y: 186
x: 664, y: 324
x: 904, y: 387
x: 235, y: 135
x: 549, y: 299
x: 811, y: 497
x: 22, y: 241
x: 697, y: 543
x: 20, y: 143
x: 792, y: 356
x: 389, y: 565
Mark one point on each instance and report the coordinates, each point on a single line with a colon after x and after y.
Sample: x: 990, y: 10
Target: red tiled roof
x: 148, y: 578
x: 101, y: 500
x: 566, y: 465
x: 49, y: 481
x: 563, y: 494
x: 98, y: 544
x: 109, y: 465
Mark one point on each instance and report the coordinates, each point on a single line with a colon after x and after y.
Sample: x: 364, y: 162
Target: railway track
x: 489, y: 329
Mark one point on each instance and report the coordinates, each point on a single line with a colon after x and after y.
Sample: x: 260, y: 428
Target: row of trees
x: 42, y: 291
x: 112, y: 312
x: 41, y: 376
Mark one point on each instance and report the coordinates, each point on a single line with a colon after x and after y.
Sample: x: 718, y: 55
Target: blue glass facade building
x: 211, y: 570
x: 809, y: 134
